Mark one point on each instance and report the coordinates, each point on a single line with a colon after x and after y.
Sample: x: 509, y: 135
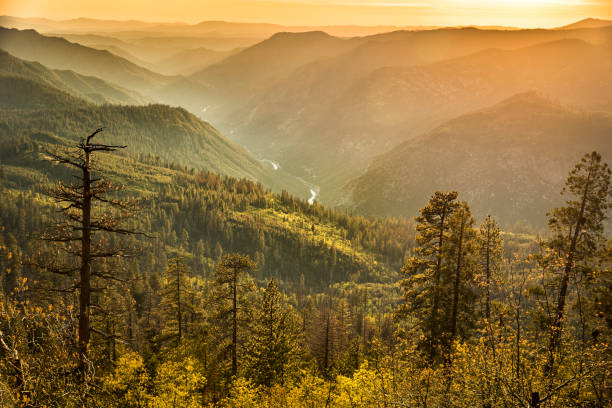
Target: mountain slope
x: 173, y: 134
x: 202, y: 215
x: 509, y: 160
x: 269, y: 60
x: 58, y: 53
x: 88, y: 88
x: 25, y: 94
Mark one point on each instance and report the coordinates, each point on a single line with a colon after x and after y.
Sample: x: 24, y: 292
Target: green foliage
x: 274, y: 349
x: 91, y: 89
x: 319, y: 332
x: 36, y: 354
x: 243, y: 394
x: 25, y: 94
x: 428, y: 272
x: 588, y: 186
x: 175, y: 304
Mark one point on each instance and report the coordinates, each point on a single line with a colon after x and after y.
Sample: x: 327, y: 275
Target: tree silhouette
x: 92, y: 210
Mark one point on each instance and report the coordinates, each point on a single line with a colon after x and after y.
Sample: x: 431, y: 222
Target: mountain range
x: 335, y: 115
x: 309, y: 110
x: 59, y: 53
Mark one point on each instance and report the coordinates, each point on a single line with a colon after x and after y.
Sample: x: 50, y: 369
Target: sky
x: 519, y: 13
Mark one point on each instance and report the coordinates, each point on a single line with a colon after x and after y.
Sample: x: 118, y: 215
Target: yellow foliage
x: 177, y: 384
x: 127, y: 383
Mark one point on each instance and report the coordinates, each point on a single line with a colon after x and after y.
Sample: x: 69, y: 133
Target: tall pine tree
x: 273, y: 352
x: 426, y: 272
x: 233, y: 285
x: 176, y: 301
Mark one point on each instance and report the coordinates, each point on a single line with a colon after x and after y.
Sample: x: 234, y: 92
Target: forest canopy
x: 232, y: 295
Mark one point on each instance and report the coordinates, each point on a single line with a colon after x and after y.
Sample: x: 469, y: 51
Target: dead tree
x: 91, y: 209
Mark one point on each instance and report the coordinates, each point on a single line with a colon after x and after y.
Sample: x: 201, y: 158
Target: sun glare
x: 519, y: 13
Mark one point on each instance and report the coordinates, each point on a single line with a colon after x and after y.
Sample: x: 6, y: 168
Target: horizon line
x: 178, y: 22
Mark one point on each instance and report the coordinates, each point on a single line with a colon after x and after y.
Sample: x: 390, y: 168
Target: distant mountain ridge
x: 203, y: 28
x: 58, y: 53
x: 190, y: 61
x: 509, y: 160
x: 270, y: 60
x: 588, y: 23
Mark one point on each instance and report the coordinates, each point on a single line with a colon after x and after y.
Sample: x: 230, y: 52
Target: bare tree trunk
x: 80, y: 225
x: 85, y: 271
x: 326, y: 352
x: 455, y: 307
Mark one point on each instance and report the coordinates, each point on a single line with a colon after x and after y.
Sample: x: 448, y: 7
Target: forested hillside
x: 314, y: 311
x: 34, y: 109
x: 201, y: 215
x: 89, y: 88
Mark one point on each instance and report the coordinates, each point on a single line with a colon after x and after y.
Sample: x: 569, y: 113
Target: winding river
x: 314, y: 189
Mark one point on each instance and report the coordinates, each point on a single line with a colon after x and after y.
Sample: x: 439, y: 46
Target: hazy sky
x: 526, y: 13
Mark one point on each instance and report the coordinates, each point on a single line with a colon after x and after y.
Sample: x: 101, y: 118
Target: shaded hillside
x: 58, y: 53
x: 173, y: 134
x: 25, y: 94
x: 89, y: 88
x: 509, y: 160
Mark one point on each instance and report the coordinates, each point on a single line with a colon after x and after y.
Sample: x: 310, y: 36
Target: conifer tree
x: 328, y: 336
x: 273, y: 351
x: 232, y: 287
x: 490, y: 258
x: 577, y: 233
x: 428, y: 270
x: 176, y: 301
x: 462, y: 285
